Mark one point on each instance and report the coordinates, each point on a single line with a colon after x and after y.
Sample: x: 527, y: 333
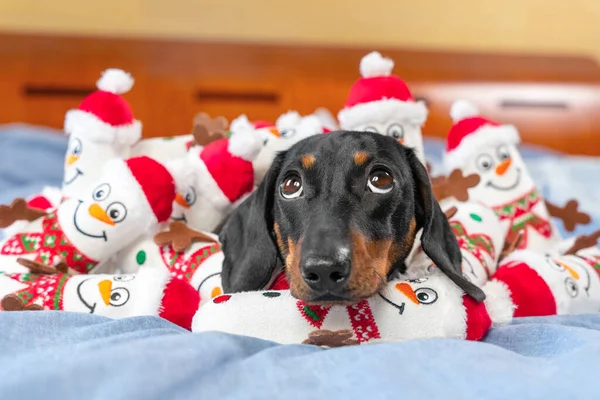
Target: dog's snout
x: 325, y: 274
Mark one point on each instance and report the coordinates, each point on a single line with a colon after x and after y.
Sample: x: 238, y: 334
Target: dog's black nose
x: 325, y: 274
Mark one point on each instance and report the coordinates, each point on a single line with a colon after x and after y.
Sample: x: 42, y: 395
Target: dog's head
x: 340, y: 212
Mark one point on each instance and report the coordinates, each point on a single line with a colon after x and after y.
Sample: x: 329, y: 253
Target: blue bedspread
x: 52, y: 355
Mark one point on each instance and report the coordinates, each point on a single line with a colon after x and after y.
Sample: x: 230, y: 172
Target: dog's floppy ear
x: 251, y: 255
x: 438, y: 240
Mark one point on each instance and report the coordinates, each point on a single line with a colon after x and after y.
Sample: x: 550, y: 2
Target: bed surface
x: 54, y: 355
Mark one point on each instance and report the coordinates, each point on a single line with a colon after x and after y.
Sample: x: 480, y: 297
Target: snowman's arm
x: 18, y: 211
x: 569, y: 214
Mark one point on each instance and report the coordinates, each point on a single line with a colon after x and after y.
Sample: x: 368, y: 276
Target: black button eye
x: 485, y: 162
x: 291, y: 187
x: 101, y: 192
x: 426, y: 295
x: 396, y: 131
x: 380, y: 181
x: 117, y: 212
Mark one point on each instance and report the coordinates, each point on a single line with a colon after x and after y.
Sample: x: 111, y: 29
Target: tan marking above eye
x: 308, y: 160
x: 360, y: 158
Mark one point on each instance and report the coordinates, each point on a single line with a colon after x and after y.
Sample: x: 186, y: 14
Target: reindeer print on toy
x: 478, y: 145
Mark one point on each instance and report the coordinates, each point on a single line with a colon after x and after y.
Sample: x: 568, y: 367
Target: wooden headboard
x: 553, y: 100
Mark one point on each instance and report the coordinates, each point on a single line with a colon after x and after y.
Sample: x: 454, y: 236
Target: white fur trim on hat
x: 149, y: 288
x: 487, y: 135
x: 383, y: 110
x: 462, y: 109
x: 245, y: 143
x: 205, y: 185
x: 374, y: 64
x: 90, y: 126
x: 288, y: 120
x: 498, y: 302
x: 183, y: 169
x: 115, y: 81
x: 117, y: 170
x: 241, y: 123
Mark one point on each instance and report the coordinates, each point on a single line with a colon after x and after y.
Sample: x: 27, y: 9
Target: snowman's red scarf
x: 360, y: 314
x: 45, y: 290
x: 519, y: 213
x: 51, y: 247
x: 184, y: 266
x: 475, y: 244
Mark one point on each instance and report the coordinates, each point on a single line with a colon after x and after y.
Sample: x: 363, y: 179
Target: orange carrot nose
x: 71, y: 160
x: 406, y: 290
x: 573, y: 273
x: 274, y: 132
x: 97, y: 212
x: 503, y: 166
x: 105, y: 287
x: 215, y: 292
x: 179, y: 199
x: 401, y: 141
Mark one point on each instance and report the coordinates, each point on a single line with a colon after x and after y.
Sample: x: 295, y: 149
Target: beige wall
x: 571, y: 26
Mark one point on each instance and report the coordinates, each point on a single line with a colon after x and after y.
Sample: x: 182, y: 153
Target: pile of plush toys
x: 130, y: 231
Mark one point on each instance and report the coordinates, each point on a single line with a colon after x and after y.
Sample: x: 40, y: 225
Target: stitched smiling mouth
x: 77, y: 174
x: 103, y: 236
x: 92, y: 307
x: 399, y: 307
x: 511, y: 187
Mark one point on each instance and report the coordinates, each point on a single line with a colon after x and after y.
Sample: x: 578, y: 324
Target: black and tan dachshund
x: 340, y: 211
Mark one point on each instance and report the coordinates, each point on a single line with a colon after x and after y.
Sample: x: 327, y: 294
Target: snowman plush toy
x: 476, y: 145
x: 381, y: 102
x: 101, y: 128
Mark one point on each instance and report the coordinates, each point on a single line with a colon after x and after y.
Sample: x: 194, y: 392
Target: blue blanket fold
x: 53, y: 355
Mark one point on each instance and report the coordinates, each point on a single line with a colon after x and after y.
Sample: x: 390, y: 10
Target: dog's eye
x: 380, y: 181
x: 291, y: 187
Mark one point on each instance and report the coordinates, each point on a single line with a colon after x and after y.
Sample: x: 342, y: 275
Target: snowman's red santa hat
x: 104, y: 116
x: 222, y: 170
x: 471, y: 132
x: 379, y: 95
x: 160, y: 294
x: 149, y: 183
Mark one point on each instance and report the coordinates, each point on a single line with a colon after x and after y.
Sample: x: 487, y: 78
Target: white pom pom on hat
x: 463, y: 109
x: 244, y: 141
x: 115, y: 81
x: 374, y: 64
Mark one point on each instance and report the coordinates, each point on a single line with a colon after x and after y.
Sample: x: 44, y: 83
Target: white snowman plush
x: 211, y: 179
x: 101, y: 128
x: 292, y: 128
x: 476, y: 145
x: 428, y: 307
x: 152, y: 292
x: 163, y: 149
x: 480, y: 237
x: 199, y: 261
x: 381, y: 102
x: 544, y: 284
x: 129, y: 199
